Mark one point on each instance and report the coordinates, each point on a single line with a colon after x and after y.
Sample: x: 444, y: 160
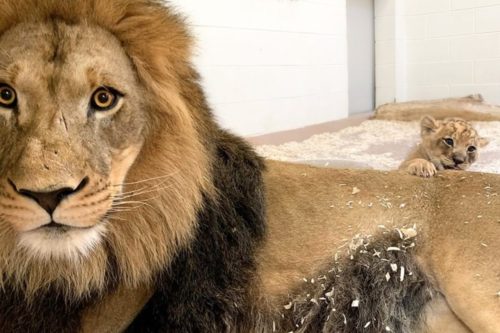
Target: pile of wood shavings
x: 327, y: 295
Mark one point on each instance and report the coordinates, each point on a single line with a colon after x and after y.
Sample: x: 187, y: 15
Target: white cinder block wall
x: 271, y: 65
x: 437, y: 48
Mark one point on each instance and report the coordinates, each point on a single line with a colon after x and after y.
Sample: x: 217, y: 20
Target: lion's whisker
x: 143, y: 189
x: 137, y: 205
x: 128, y: 196
x: 148, y: 179
x: 141, y: 203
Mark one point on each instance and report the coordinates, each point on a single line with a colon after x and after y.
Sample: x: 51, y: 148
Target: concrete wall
x: 437, y: 48
x: 361, y: 55
x: 271, y: 65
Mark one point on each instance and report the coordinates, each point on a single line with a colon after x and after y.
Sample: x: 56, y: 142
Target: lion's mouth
x: 56, y: 240
x: 455, y: 166
x: 60, y: 227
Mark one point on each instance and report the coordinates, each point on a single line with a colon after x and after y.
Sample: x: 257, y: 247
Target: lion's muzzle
x: 49, y: 200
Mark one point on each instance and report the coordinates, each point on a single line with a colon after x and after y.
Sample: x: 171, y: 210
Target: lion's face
x: 71, y: 125
x: 105, y: 144
x: 451, y: 143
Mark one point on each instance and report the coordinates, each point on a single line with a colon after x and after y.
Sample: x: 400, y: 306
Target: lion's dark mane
x: 206, y: 287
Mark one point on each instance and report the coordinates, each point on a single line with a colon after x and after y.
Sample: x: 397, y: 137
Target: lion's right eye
x: 449, y: 141
x: 104, y: 99
x: 8, y: 97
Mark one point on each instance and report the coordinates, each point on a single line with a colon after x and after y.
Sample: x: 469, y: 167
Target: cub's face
x: 451, y: 143
x: 71, y: 125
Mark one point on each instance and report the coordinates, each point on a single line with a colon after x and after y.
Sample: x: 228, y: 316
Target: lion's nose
x: 51, y: 199
x: 458, y: 160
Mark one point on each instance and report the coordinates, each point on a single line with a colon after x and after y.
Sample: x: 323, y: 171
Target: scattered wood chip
x: 393, y: 248
x: 400, y: 233
x: 355, y: 190
x: 367, y: 324
x: 409, y: 233
x: 394, y: 267
x: 402, y: 274
x: 355, y: 303
x: 288, y: 306
x: 387, y: 276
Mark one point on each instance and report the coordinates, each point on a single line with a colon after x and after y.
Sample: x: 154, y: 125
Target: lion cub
x: 451, y: 143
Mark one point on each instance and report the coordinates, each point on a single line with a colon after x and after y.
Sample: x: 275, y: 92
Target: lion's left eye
x: 8, y: 97
x: 104, y: 99
x: 471, y: 149
x: 449, y: 141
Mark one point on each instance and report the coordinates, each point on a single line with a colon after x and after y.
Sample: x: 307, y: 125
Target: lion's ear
x: 428, y: 125
x: 483, y: 142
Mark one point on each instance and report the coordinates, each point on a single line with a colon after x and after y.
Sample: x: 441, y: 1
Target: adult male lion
x: 123, y: 206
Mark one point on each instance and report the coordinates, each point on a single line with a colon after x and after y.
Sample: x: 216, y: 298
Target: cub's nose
x: 458, y: 160
x: 51, y: 199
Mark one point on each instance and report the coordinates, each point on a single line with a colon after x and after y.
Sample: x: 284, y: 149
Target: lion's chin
x: 62, y: 242
x: 456, y: 167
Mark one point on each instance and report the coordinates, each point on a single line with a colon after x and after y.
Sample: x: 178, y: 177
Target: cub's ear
x: 483, y: 142
x: 428, y: 125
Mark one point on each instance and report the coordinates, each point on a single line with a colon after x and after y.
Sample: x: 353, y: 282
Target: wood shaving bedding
x: 375, y: 144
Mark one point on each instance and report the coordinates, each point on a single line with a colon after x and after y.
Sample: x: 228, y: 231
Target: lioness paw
x: 421, y: 168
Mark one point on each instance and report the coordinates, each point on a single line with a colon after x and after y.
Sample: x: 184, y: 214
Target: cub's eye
x: 449, y: 141
x: 8, y: 98
x: 471, y: 149
x: 104, y: 99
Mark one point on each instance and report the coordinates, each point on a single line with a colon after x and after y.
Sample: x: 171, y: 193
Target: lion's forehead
x: 55, y: 68
x: 62, y: 59
x: 459, y: 130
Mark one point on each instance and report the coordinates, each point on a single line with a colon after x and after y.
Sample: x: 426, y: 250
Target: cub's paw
x: 421, y: 168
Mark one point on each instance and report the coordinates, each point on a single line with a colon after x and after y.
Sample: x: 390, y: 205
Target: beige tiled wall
x: 271, y: 65
x: 437, y: 48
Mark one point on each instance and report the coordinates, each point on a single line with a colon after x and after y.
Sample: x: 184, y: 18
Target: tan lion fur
x: 314, y: 214
x: 433, y: 153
